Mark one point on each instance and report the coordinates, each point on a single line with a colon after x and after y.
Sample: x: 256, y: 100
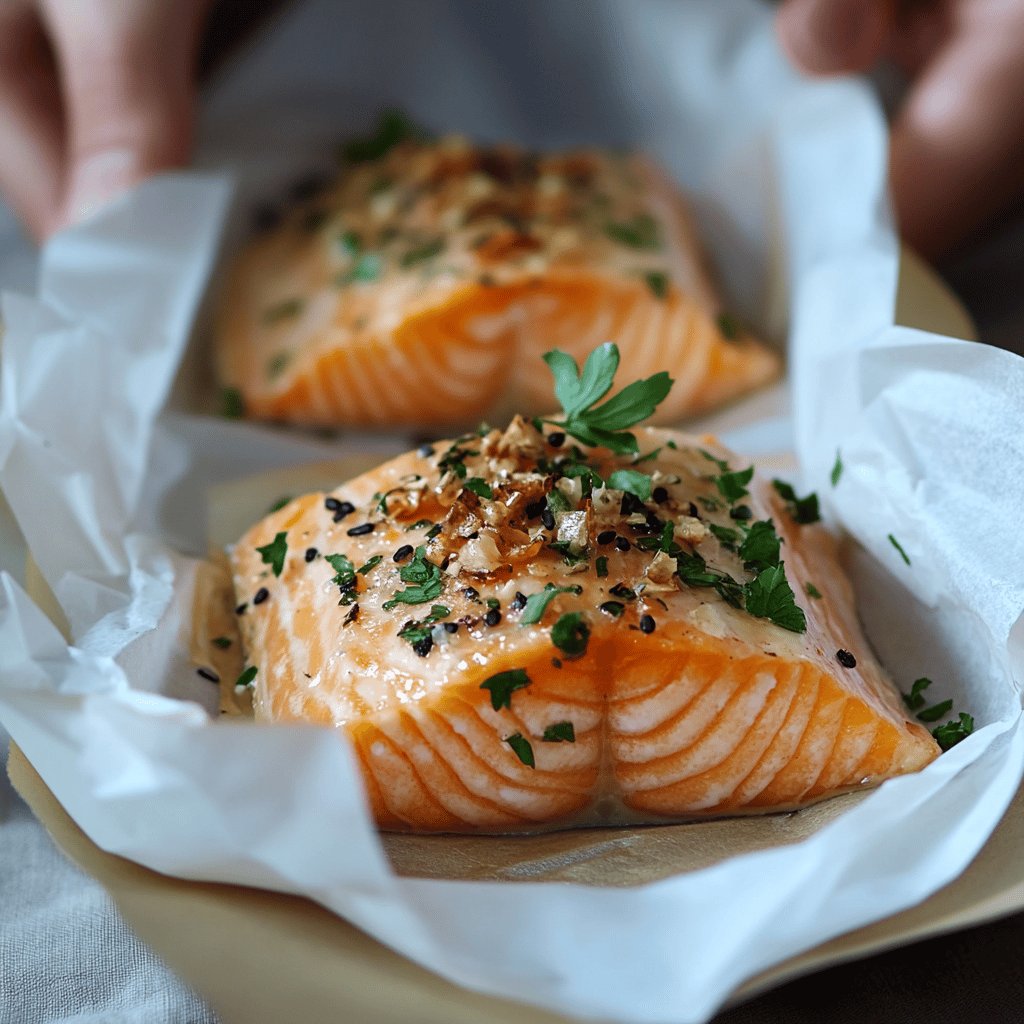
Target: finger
x: 825, y: 37
x: 127, y: 83
x: 30, y: 120
x: 958, y: 141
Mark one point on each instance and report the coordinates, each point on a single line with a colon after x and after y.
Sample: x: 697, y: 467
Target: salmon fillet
x: 420, y: 286
x: 515, y: 633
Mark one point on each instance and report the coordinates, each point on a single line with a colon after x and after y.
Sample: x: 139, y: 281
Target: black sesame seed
x: 422, y: 647
x: 332, y: 504
x: 741, y: 512
x: 451, y: 627
x: 353, y: 614
x: 622, y: 544
x: 208, y: 673
x: 311, y: 553
x: 402, y: 553
x: 534, y: 509
x: 647, y: 624
x: 519, y: 601
x: 557, y: 439
x: 547, y: 517
x: 240, y: 609
x: 260, y: 596
x: 659, y: 494
x: 361, y: 530
x: 694, y: 511
x: 846, y: 659
x: 621, y: 590
x: 557, y: 662
x: 425, y: 451
x: 493, y: 617
x: 630, y: 503
x: 471, y: 592
x: 614, y: 608
x: 606, y: 537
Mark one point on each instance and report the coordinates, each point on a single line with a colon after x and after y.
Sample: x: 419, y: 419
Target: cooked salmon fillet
x: 516, y: 633
x: 420, y: 286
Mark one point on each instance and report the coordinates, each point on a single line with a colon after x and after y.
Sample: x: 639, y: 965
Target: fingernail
x: 98, y: 180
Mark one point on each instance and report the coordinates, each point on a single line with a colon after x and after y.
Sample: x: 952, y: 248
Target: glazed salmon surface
x: 419, y: 287
x: 677, y: 671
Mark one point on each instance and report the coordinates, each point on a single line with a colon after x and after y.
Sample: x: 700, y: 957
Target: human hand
x: 958, y: 137
x: 95, y: 95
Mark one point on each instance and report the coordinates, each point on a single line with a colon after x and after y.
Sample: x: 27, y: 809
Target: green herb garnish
x: 935, y: 712
x: 394, y: 127
x: 769, y: 596
x: 221, y: 642
x: 277, y: 364
x: 639, y: 233
x: 803, y: 510
x: 279, y: 504
x: 274, y: 552
x: 812, y: 591
x: 732, y: 485
x: 232, y: 405
x: 351, y: 243
x: 601, y: 566
x: 247, y: 677
x: 521, y: 747
x: 657, y: 282
x: 425, y: 578
x: 837, y: 469
x: 478, y: 486
x: 605, y: 424
x: 899, y: 547
x: 560, y: 732
x: 537, y: 604
x: 283, y: 311
x: 502, y: 685
x: 421, y: 253
x: 368, y: 267
x: 636, y: 483
x: 369, y: 564
x: 950, y: 734
x: 760, y: 547
x: 728, y: 325
x: 915, y: 699
x: 570, y: 634
x: 727, y: 536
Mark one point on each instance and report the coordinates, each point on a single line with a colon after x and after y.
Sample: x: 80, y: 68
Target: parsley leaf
x: 368, y: 267
x: 601, y: 566
x: 279, y: 504
x: 422, y: 253
x: 760, y: 547
x: 950, y: 734
x: 221, y: 642
x: 277, y: 364
x: 247, y: 677
x: 425, y: 578
x: 274, y: 552
x: 345, y: 571
x: 727, y: 536
x: 733, y: 485
x: 570, y: 634
x: 813, y: 591
x: 578, y: 394
x: 560, y: 732
x: 915, y: 698
x: 521, y: 747
x: 478, y: 486
x: 631, y: 480
x: 232, y: 404
x: 657, y: 282
x: 639, y: 233
x: 369, y: 564
x: 803, y: 510
x: 283, y: 311
x: 537, y: 604
x: 502, y: 685
x: 728, y: 326
x: 899, y: 547
x: 837, y: 469
x: 935, y: 712
x: 769, y: 596
x: 394, y: 127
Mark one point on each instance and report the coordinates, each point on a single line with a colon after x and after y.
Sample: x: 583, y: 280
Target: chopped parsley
x: 769, y: 596
x: 394, y: 127
x: 636, y: 483
x: 935, y: 712
x: 537, y: 604
x: 368, y: 267
x: 899, y: 547
x: 369, y: 564
x: 351, y: 243
x: 345, y: 571
x: 723, y: 466
x: 803, y: 510
x: 694, y: 572
x: 424, y: 577
x: 273, y: 553
x: 606, y: 424
x: 760, y: 547
x: 221, y: 642
x: 639, y: 233
x: 837, y: 469
x: 601, y: 565
x: 419, y: 631
x: 727, y: 536
x: 657, y: 282
x: 915, y: 699
x: 728, y: 326
x: 478, y: 486
x: 232, y: 405
x: 279, y: 504
x: 277, y: 364
x: 732, y: 485
x: 283, y: 311
x: 247, y: 677
x: 502, y: 685
x: 521, y: 747
x: 570, y: 634
x: 646, y: 458
x: 950, y: 734
x: 422, y: 253
x: 560, y: 732
x: 813, y: 591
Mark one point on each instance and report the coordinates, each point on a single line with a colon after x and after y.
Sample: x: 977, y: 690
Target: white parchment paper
x: 108, y: 492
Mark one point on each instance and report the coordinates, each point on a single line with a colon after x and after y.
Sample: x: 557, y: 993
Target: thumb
x: 127, y: 82
x: 834, y: 36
